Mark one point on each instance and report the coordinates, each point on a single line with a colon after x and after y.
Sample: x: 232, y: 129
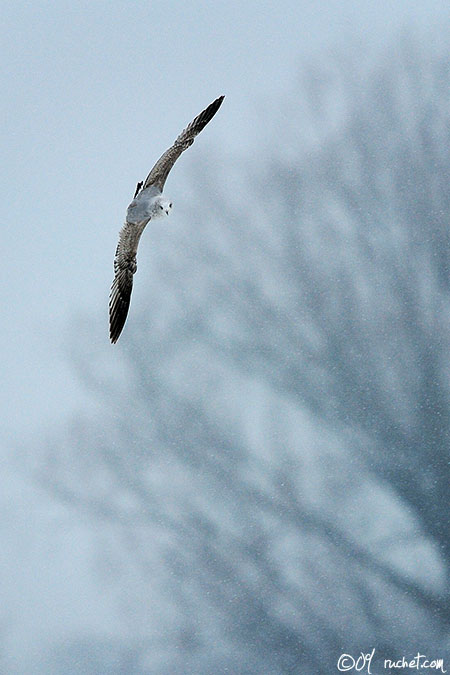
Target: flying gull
x: 148, y: 203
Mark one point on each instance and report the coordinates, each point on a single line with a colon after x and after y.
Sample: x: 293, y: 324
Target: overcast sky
x: 93, y: 92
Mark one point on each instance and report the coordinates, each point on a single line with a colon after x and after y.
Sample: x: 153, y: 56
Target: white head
x: 162, y: 206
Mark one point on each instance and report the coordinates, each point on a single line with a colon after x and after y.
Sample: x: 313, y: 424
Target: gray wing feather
x: 125, y: 266
x: 160, y: 171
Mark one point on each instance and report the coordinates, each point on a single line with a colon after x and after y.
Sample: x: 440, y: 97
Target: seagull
x: 148, y: 203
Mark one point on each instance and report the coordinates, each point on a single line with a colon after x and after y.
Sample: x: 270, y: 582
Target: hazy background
x: 268, y: 442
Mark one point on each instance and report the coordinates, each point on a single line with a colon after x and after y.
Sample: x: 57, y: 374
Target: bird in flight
x: 148, y: 203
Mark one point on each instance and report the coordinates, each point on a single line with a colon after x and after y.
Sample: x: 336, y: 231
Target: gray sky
x: 93, y: 92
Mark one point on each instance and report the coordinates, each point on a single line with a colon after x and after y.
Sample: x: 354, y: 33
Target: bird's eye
x: 161, y: 207
x: 170, y: 205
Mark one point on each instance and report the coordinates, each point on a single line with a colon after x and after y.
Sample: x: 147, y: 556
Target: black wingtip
x: 218, y: 102
x: 114, y: 334
x: 115, y: 331
x: 213, y: 107
x: 208, y: 113
x: 119, y: 302
x: 117, y: 322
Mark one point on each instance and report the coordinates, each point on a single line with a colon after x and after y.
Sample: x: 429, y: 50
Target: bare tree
x: 290, y: 361
x: 343, y: 304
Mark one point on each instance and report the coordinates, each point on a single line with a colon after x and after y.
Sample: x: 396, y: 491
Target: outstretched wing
x: 124, y: 267
x: 160, y: 171
x: 125, y: 261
